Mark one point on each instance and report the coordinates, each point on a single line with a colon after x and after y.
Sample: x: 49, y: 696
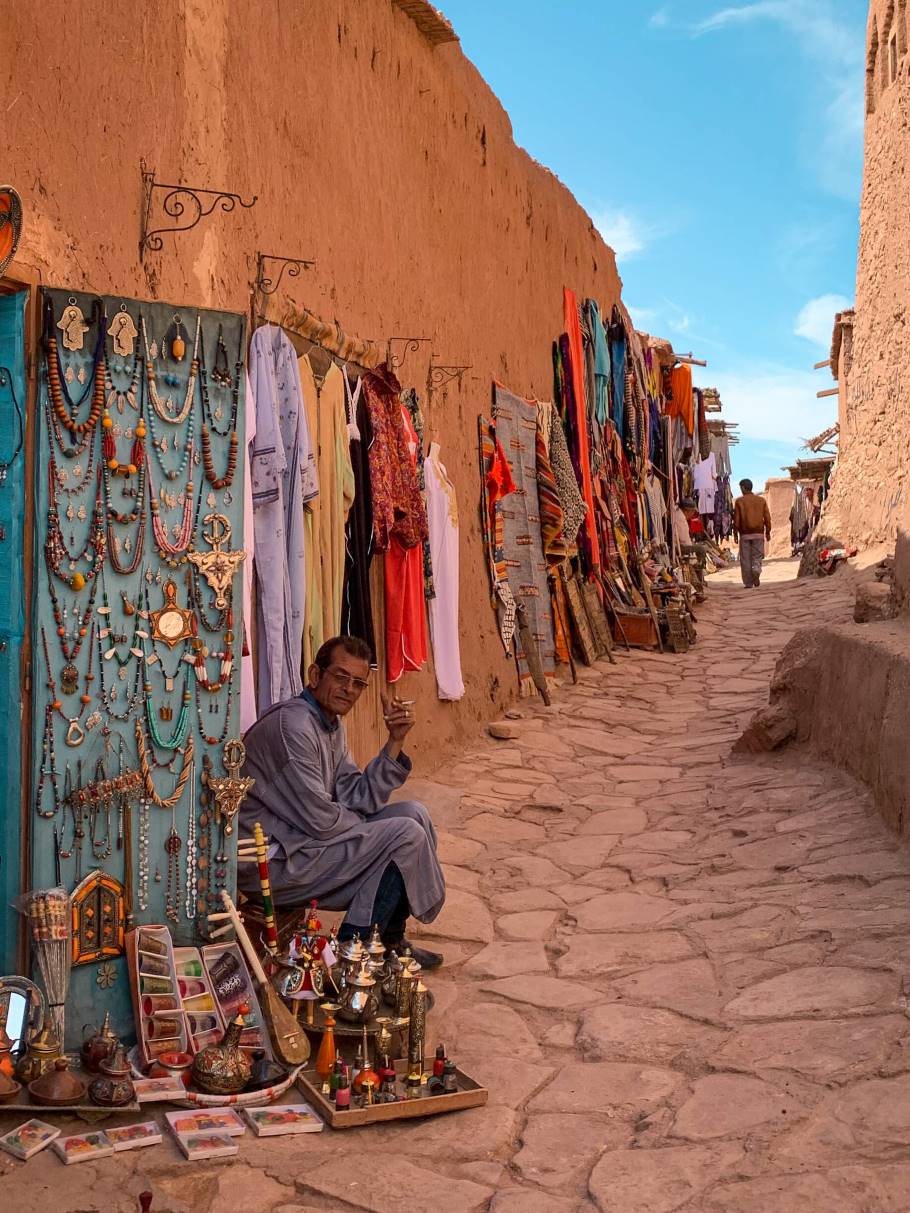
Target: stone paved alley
x: 680, y: 976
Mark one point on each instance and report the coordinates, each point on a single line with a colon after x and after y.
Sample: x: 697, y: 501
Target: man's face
x: 338, y: 688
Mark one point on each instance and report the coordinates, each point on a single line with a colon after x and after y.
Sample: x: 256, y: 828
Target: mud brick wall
x: 389, y: 161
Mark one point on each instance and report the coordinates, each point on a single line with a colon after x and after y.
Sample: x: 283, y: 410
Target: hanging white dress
x: 442, y: 514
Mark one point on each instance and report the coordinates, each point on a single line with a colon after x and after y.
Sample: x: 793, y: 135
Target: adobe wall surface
x: 871, y: 496
x: 390, y: 162
x: 863, y: 730
x: 778, y: 493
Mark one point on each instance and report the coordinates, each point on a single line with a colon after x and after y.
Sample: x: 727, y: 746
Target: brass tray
x: 470, y: 1094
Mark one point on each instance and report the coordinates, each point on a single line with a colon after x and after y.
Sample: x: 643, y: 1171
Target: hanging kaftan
x: 357, y: 602
x: 442, y: 515
x: 405, y: 603
x: 284, y: 478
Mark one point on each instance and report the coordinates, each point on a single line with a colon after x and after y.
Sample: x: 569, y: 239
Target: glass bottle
x: 325, y: 1058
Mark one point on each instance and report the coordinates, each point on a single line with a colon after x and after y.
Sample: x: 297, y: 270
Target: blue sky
x: 718, y: 148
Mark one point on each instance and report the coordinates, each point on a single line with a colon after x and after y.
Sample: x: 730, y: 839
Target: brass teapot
x: 98, y: 1046
x: 43, y: 1051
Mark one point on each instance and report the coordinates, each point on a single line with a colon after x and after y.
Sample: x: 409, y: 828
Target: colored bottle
x: 335, y: 1079
x: 449, y: 1078
x: 439, y: 1062
x: 343, y: 1094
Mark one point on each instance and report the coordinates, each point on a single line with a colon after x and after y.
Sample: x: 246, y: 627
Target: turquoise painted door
x: 12, y: 612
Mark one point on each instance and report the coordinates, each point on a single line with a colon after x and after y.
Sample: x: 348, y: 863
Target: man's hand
x: 399, y: 720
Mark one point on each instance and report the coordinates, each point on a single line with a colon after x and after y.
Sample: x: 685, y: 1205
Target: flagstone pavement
x: 679, y: 972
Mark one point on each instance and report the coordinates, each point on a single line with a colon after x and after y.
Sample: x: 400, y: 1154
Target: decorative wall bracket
x: 265, y: 284
x: 410, y: 345
x: 439, y: 375
x: 186, y: 205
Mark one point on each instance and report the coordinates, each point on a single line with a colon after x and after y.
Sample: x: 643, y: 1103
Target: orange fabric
x: 576, y: 349
x: 405, y: 610
x: 682, y: 405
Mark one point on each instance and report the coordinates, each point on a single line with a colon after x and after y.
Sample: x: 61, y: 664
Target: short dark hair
x: 352, y: 645
x: 746, y: 485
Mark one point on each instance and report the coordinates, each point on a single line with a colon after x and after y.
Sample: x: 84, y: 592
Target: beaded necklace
x: 174, y: 554
x: 214, y: 707
x: 56, y: 379
x: 48, y: 772
x: 120, y: 399
x: 142, y: 746
x: 179, y: 735
x: 165, y: 408
x: 75, y: 734
x: 70, y: 677
x: 55, y: 549
x: 208, y: 425
x: 109, y: 696
x: 107, y: 633
x: 100, y: 850
x: 224, y: 618
x: 82, y: 478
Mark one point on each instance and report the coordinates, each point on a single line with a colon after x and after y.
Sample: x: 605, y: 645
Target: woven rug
x: 523, y: 558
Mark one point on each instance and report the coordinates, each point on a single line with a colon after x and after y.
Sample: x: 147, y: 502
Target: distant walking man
x: 751, y: 527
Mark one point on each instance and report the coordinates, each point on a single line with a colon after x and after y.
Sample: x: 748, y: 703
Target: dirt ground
x: 680, y: 973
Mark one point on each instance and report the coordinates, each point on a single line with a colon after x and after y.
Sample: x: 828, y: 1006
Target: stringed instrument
x: 289, y: 1041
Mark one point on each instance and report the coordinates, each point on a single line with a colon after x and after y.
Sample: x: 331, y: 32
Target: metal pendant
x: 73, y: 326
x: 69, y: 679
x: 69, y: 374
x: 75, y: 734
x: 81, y: 376
x: 123, y: 332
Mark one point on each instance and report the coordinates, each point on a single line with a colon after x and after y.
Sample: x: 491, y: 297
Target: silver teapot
x: 360, y: 995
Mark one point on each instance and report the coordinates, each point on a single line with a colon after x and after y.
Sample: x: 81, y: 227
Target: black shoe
x: 424, y: 957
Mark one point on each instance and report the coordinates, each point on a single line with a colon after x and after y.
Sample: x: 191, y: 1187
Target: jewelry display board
x: 13, y: 389
x: 138, y: 634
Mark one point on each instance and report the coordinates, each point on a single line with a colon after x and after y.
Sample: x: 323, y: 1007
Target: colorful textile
x: 575, y: 372
x: 681, y: 402
x: 552, y: 517
x: 284, y: 478
x: 496, y: 483
x: 570, y: 498
x: 526, y: 567
x: 411, y: 401
x: 398, y: 508
x: 405, y: 602
x: 442, y: 514
x: 357, y: 601
x: 601, y: 405
x: 618, y: 364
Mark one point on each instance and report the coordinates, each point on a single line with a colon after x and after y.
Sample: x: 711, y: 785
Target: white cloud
x: 642, y: 317
x: 835, y: 143
x: 660, y: 19
x: 623, y: 232
x: 816, y: 320
x: 773, y: 403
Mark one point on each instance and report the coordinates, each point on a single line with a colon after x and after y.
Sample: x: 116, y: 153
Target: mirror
x: 22, y: 1010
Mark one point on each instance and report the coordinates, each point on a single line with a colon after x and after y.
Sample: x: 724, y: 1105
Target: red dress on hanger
x: 405, y: 601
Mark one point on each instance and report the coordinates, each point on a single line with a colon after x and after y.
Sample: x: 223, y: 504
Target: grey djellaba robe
x: 331, y: 830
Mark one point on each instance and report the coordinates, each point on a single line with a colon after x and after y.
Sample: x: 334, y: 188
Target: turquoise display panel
x: 112, y: 671
x: 12, y: 610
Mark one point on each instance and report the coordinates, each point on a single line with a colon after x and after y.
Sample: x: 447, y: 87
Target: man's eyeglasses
x: 346, y: 680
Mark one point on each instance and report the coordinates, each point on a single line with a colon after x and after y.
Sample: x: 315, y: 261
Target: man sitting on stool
x: 333, y: 836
